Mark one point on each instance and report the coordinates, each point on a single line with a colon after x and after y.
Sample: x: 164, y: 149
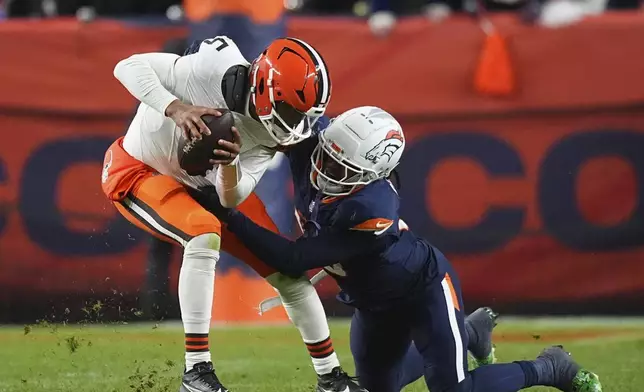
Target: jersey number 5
x: 220, y: 40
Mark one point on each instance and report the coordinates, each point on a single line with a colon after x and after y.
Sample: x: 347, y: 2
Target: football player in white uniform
x: 276, y: 100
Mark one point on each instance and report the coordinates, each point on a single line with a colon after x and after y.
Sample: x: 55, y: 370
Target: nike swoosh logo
x: 382, y: 225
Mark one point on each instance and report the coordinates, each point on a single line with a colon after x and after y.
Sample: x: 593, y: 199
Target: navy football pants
x: 427, y: 338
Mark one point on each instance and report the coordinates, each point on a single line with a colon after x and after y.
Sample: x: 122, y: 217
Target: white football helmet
x: 360, y: 146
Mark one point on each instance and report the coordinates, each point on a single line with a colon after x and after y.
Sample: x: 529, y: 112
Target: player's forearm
x: 295, y: 257
x: 139, y: 76
x: 233, y: 185
x: 273, y: 249
x: 290, y: 257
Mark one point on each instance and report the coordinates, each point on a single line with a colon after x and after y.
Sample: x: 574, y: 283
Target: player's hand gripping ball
x: 219, y: 146
x: 189, y: 118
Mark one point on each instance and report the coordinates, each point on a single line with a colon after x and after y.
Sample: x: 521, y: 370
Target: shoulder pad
x: 374, y: 209
x: 234, y: 88
x: 212, y: 58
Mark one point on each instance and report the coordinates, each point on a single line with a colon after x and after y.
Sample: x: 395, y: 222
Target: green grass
x: 137, y: 358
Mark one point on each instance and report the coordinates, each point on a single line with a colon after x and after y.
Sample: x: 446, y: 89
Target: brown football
x: 194, y: 156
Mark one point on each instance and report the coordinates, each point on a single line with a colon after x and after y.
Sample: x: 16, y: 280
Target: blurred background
x: 524, y: 164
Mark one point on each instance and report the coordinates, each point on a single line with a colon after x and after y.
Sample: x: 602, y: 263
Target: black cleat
x: 566, y: 374
x: 480, y: 324
x: 338, y: 381
x: 201, y: 378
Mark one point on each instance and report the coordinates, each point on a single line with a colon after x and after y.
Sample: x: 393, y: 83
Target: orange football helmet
x: 290, y: 89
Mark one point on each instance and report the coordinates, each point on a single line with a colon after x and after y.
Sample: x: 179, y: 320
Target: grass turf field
x: 147, y: 357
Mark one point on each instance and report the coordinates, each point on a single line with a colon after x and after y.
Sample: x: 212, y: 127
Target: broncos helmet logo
x: 386, y: 148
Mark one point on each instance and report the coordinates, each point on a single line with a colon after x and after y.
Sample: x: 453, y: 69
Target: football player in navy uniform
x: 409, y: 316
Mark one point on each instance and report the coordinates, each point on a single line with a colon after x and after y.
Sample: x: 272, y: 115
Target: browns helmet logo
x: 387, y: 147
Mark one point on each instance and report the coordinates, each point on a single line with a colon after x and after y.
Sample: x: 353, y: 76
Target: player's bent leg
x: 380, y: 344
x: 413, y: 367
x: 440, y: 335
x: 441, y: 338
x: 161, y: 206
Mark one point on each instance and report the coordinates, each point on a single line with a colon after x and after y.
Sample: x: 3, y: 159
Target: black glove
x: 207, y: 197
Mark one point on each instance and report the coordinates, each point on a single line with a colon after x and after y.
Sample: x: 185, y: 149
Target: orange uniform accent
x: 328, y: 199
x: 121, y: 172
x: 395, y: 134
x: 376, y: 224
x: 321, y: 349
x: 204, y: 339
x: 161, y: 206
x: 196, y: 342
x: 153, y: 202
x: 194, y: 348
x: 457, y: 305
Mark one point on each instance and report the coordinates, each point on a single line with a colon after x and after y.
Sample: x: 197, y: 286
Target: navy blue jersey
x: 395, y: 269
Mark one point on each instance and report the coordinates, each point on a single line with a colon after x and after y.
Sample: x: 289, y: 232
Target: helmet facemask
x: 334, y: 175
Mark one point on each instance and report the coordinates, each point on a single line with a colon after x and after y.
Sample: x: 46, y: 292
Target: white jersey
x: 157, y: 79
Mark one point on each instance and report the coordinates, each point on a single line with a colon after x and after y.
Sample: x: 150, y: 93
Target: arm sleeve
x: 295, y: 257
x: 149, y: 78
x: 236, y: 181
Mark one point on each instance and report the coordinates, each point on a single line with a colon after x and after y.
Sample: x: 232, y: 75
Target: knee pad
x: 291, y: 289
x: 210, y: 241
x: 202, y: 252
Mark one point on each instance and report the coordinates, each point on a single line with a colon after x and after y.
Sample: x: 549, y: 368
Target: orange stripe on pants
x: 448, y: 279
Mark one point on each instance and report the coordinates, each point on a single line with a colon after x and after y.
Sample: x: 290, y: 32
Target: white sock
x: 305, y: 310
x: 196, y: 290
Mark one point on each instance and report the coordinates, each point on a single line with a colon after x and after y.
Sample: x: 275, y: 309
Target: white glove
x: 437, y: 12
x: 381, y: 23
